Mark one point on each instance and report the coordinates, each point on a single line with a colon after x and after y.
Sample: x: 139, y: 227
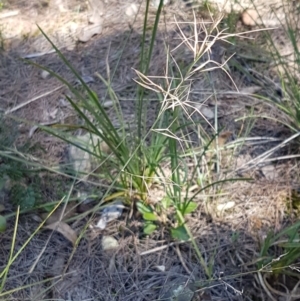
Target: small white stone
x: 108, y: 104
x: 225, y: 206
x: 95, y: 19
x: 207, y: 112
x: 131, y: 10
x: 81, y: 159
x: 109, y: 242
x: 110, y: 213
x: 86, y: 33
x: 45, y: 74
x: 250, y: 17
x: 155, y: 3
x: 161, y: 268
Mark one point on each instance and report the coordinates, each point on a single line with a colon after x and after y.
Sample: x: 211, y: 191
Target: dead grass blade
x: 65, y: 230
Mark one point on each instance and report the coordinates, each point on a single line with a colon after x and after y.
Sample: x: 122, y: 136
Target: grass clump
x: 283, y: 47
x: 135, y: 158
x: 278, y: 265
x: 278, y: 271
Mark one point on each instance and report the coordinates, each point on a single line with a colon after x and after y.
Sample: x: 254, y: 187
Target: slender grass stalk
x: 4, y: 273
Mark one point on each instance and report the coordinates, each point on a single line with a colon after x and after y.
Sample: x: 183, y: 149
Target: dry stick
x: 182, y: 260
x: 282, y: 158
x: 273, y: 290
x: 165, y: 246
x: 266, y: 154
x: 40, y: 254
x: 31, y: 100
x: 38, y: 54
x: 161, y: 248
x: 263, y: 284
x: 49, y: 237
x: 9, y: 14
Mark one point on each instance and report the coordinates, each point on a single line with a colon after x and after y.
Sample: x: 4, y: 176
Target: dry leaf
x: 69, y: 212
x: 222, y: 139
x: 256, y: 223
x: 218, y: 143
x: 65, y: 230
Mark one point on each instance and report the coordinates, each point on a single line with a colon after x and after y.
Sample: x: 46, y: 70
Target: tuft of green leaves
x: 287, y: 66
x: 134, y: 160
x: 280, y: 252
x: 163, y: 213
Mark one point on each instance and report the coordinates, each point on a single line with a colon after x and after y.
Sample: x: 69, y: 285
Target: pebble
x: 109, y: 242
x: 207, y: 112
x: 45, y: 74
x: 225, y: 206
x: 155, y: 3
x: 86, y: 33
x: 250, y: 17
x: 108, y: 104
x: 131, y: 10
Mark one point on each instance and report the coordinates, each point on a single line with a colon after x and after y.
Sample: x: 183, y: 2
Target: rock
x: 131, y: 10
x: 81, y: 161
x: 250, y: 17
x: 155, y: 3
x: 110, y: 213
x: 84, y: 162
x: 96, y: 11
x: 45, y: 74
x: 225, y: 206
x: 207, y: 112
x: 109, y: 243
x: 108, y: 104
x: 160, y: 268
x: 86, y: 33
x: 95, y: 19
